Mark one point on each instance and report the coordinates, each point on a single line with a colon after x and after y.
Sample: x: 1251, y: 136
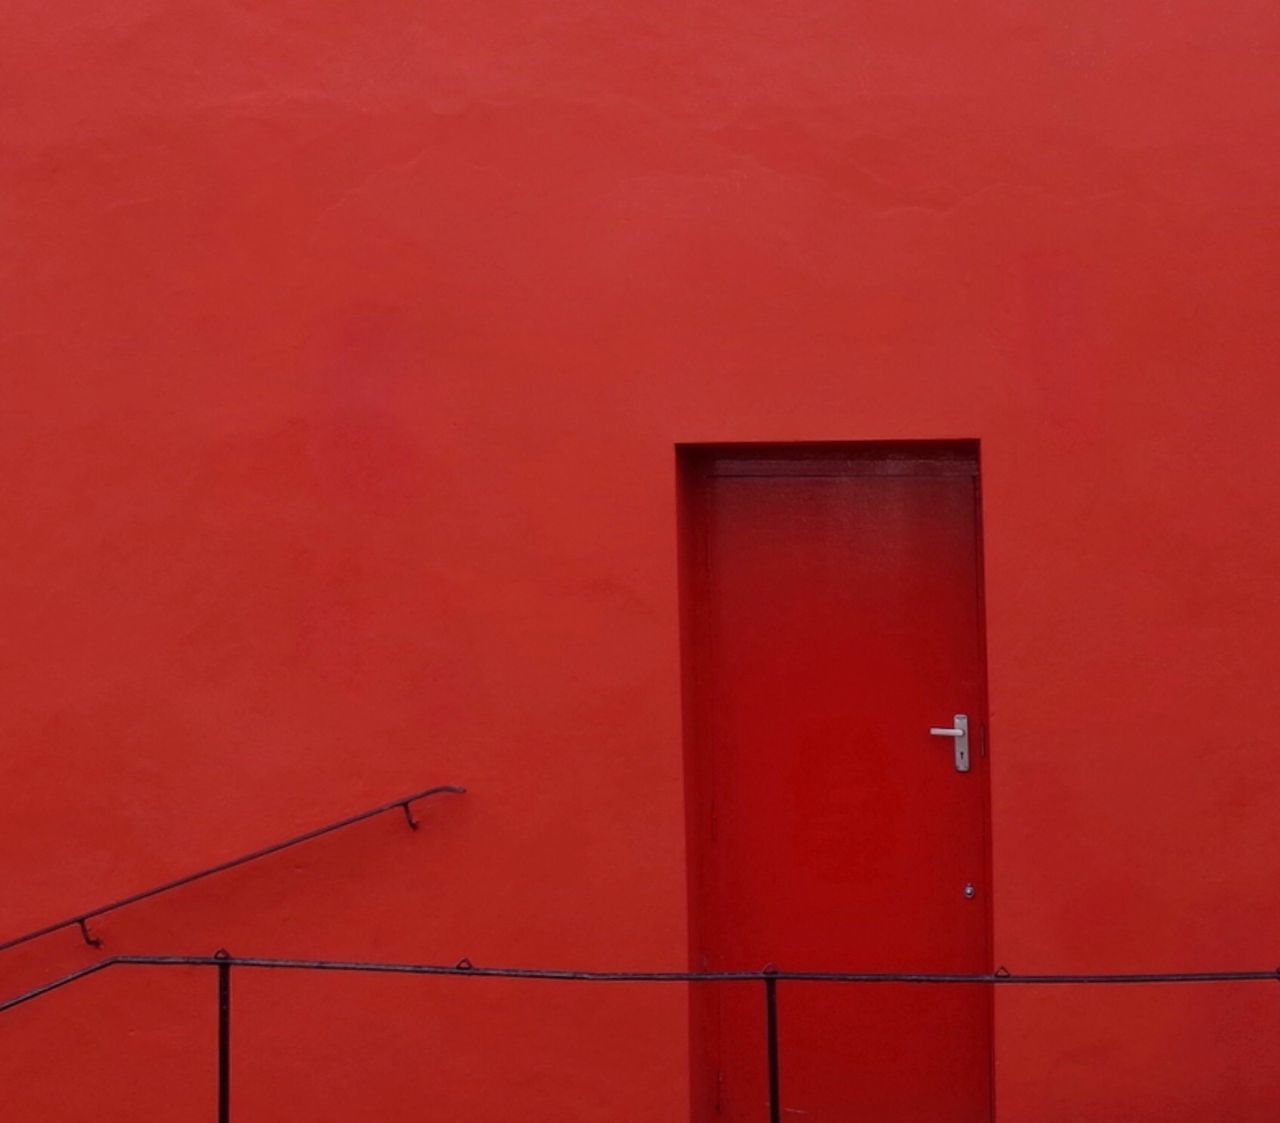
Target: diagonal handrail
x: 81, y: 919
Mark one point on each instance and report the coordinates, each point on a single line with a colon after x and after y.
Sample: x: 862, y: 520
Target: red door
x: 833, y: 619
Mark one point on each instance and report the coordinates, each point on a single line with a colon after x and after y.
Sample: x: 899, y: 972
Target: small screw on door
x: 969, y: 891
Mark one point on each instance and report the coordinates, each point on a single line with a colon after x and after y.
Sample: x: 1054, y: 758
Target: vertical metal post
x: 771, y: 1029
x: 224, y: 1036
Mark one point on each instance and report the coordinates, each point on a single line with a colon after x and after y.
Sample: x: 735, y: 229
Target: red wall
x: 345, y: 350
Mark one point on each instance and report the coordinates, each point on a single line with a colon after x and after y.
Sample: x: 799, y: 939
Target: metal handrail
x: 81, y: 919
x: 464, y: 967
x: 224, y: 962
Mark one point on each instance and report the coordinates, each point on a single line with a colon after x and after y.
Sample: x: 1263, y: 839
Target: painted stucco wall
x: 345, y: 348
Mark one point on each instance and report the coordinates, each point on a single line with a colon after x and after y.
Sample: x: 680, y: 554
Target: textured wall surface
x: 344, y: 348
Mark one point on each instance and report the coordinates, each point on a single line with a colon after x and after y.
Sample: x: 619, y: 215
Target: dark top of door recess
x: 866, y: 458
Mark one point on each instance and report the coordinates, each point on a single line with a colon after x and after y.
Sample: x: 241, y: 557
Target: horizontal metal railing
x: 769, y: 979
x: 81, y: 919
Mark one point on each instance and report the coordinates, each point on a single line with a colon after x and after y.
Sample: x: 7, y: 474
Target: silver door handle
x: 960, y: 734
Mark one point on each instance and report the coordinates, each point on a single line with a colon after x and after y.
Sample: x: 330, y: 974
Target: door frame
x: 696, y: 463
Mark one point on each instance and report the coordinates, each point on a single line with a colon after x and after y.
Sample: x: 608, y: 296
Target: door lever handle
x: 960, y: 734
